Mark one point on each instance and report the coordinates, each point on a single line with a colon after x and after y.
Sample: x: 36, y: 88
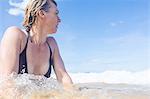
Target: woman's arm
x: 59, y: 68
x: 9, y: 51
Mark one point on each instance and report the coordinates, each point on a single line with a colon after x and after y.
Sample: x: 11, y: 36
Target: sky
x: 95, y: 35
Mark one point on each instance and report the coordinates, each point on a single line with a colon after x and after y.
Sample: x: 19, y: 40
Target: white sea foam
x: 114, y: 77
x: 126, y: 77
x: 29, y: 86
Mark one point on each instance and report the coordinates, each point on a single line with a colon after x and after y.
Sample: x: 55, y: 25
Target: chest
x: 38, y: 59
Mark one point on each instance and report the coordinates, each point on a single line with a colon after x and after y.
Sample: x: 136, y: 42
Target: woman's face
x: 52, y: 19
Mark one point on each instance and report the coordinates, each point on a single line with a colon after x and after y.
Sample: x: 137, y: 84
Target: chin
x: 55, y: 30
x: 52, y: 31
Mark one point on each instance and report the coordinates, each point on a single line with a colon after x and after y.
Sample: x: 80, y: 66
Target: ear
x: 41, y: 13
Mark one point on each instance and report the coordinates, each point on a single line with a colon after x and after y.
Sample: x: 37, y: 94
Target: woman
x: 33, y: 51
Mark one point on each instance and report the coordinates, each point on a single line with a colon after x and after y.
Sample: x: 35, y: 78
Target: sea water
x: 27, y: 86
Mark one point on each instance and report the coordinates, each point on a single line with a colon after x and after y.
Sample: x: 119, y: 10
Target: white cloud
x: 18, y: 7
x: 121, y: 22
x: 15, y: 11
x: 113, y: 24
x: 133, y: 37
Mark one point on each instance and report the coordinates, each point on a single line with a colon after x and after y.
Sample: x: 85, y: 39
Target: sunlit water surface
x: 27, y: 86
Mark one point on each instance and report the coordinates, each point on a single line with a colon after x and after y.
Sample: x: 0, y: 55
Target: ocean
x: 105, y: 85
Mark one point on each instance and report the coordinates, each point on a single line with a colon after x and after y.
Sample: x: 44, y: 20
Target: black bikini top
x: 23, y: 61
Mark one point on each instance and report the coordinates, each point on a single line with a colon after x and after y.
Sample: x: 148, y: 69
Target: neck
x: 37, y: 37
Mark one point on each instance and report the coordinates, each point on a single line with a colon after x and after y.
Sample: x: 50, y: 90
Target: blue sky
x: 95, y: 35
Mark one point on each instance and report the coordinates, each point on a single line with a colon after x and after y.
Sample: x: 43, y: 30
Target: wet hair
x: 31, y: 11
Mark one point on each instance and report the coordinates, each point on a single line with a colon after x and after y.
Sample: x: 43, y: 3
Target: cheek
x: 51, y: 27
x: 52, y: 21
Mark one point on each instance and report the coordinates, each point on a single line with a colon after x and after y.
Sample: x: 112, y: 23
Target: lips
x: 57, y: 26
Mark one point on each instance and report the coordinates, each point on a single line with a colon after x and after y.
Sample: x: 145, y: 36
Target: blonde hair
x: 31, y: 10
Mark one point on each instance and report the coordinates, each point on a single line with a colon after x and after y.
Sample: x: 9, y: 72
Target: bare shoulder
x: 52, y: 42
x: 13, y: 32
x: 51, y: 39
x: 12, y: 37
x: 10, y: 46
